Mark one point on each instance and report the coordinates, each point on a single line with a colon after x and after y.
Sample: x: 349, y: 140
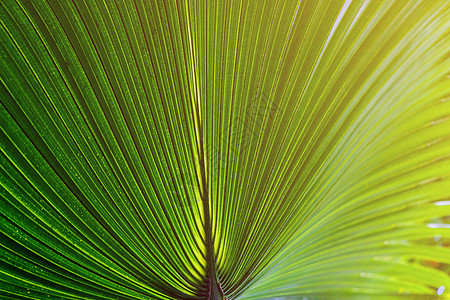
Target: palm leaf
x: 240, y: 149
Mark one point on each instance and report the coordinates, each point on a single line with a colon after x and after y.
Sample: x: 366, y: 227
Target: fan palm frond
x: 210, y: 149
